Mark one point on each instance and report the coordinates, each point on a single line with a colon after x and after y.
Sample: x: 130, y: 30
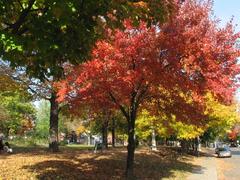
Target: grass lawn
x: 78, y: 147
x: 79, y: 162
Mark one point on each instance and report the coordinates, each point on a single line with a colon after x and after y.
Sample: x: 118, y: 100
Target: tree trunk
x: 154, y: 144
x: 104, y: 134
x: 53, y: 130
x: 113, y: 132
x: 184, y: 146
x: 7, y: 132
x: 197, y: 144
x: 130, y: 148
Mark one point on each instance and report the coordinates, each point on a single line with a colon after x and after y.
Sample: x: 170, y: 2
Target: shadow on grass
x: 87, y: 169
x: 111, y: 165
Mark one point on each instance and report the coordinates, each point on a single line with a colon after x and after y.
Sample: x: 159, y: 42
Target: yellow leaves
x: 221, y: 117
x: 166, y: 126
x: 144, y: 124
x: 141, y: 4
x: 185, y: 131
x: 80, y: 129
x: 7, y: 84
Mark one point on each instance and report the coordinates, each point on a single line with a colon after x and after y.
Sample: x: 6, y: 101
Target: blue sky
x: 226, y: 9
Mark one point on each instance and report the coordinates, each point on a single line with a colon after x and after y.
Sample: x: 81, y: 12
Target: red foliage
x: 205, y: 53
x: 234, y: 132
x: 121, y: 66
x: 188, y: 54
x: 232, y: 135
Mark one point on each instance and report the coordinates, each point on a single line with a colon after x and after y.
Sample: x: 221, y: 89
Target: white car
x: 224, y: 152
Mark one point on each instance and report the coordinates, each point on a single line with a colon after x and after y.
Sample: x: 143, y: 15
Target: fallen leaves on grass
x: 68, y: 164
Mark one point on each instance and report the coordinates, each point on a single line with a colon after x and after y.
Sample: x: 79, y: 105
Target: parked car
x: 233, y: 144
x: 220, y: 146
x: 224, y: 152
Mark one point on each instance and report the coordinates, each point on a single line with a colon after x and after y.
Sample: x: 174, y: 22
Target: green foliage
x: 42, y: 121
x: 19, y: 112
x: 41, y: 129
x: 43, y: 34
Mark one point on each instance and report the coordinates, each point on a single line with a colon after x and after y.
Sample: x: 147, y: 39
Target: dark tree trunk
x: 53, y: 130
x: 7, y: 132
x: 184, y: 145
x: 197, y: 142
x: 104, y: 134
x: 130, y: 115
x: 131, y: 147
x: 113, y: 132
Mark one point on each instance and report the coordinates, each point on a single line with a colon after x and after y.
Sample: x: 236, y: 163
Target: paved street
x: 229, y: 168
x: 205, y: 169
x: 213, y: 168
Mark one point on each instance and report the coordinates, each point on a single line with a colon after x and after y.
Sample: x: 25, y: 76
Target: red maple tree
x: 188, y: 54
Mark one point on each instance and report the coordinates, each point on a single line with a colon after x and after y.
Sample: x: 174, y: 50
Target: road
x: 229, y: 168
x: 210, y: 167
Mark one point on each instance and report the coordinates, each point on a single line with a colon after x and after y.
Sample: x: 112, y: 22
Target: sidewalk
x: 207, y: 169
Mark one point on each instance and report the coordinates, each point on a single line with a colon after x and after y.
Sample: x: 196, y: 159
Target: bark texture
x: 53, y: 130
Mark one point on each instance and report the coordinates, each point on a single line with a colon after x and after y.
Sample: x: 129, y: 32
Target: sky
x: 226, y: 9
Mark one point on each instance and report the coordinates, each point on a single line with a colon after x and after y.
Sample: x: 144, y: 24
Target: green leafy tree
x: 19, y: 113
x: 16, y: 111
x: 42, y: 121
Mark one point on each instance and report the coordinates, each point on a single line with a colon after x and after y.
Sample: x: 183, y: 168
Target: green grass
x: 78, y: 147
x: 28, y: 142
x: 32, y: 142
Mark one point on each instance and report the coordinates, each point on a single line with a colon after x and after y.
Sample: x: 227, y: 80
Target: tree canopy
x: 43, y: 34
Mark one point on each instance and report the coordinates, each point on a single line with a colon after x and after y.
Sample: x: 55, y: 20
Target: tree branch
x: 20, y: 4
x: 119, y: 105
x: 15, y: 27
x: 141, y: 95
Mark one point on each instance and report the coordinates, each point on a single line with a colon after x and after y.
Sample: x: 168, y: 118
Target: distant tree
x: 221, y: 118
x: 18, y: 113
x: 42, y: 120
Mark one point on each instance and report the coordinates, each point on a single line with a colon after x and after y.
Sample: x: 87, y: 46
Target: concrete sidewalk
x: 207, y: 168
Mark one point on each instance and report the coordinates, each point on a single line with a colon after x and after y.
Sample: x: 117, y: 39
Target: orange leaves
x: 187, y: 54
x: 76, y: 163
x: 116, y: 67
